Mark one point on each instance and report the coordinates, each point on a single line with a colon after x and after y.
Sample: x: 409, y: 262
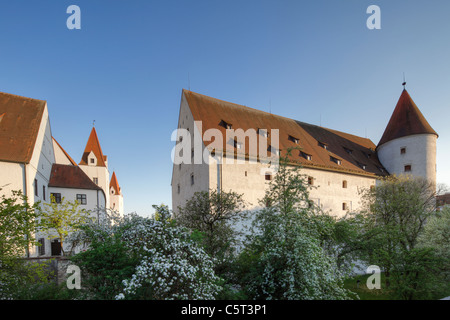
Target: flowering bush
x: 169, y: 265
x: 172, y: 266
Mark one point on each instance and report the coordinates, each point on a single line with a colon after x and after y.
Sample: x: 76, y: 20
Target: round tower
x: 408, y: 145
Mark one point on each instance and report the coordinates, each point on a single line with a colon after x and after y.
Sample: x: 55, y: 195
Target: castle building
x: 32, y: 161
x: 337, y: 164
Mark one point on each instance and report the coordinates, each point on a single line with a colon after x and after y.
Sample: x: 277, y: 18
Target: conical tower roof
x: 114, y: 183
x: 406, y: 120
x: 93, y: 145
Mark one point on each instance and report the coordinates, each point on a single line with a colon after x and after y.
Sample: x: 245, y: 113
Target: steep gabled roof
x: 69, y: 158
x: 93, y: 145
x: 114, y: 184
x: 406, y: 120
x: 19, y: 126
x: 356, y: 153
x: 69, y: 176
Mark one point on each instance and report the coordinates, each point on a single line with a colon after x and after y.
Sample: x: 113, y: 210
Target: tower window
x: 310, y: 181
x: 408, y: 168
x: 344, y: 206
x: 43, y: 193
x: 178, y: 189
x: 192, y: 179
x: 268, y: 176
x: 36, y: 192
x: 344, y: 184
x: 403, y: 150
x: 95, y: 180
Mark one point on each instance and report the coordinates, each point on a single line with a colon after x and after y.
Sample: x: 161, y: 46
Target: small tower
x: 115, y: 195
x: 408, y: 145
x: 95, y: 164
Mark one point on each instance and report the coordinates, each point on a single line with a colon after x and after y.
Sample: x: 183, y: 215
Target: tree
x: 285, y: 256
x: 61, y: 218
x: 215, y: 215
x: 17, y: 227
x: 395, y: 214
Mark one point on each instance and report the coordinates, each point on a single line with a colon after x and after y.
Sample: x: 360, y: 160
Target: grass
x: 363, y: 291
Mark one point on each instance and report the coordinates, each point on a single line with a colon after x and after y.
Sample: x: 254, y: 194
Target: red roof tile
x: 213, y: 111
x: 20, y: 121
x: 405, y: 120
x: 68, y: 176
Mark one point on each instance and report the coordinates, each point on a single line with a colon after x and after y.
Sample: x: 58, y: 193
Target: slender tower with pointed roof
x: 408, y: 144
x: 115, y: 194
x: 94, y: 163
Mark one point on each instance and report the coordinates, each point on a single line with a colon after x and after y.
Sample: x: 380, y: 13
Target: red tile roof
x: 353, y: 151
x: 68, y: 176
x: 405, y: 120
x: 114, y: 184
x: 20, y: 121
x: 93, y: 145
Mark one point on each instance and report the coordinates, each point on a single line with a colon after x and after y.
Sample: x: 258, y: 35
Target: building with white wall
x: 32, y: 161
x: 337, y: 164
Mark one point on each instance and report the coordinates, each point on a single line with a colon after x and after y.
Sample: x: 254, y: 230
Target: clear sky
x: 314, y: 61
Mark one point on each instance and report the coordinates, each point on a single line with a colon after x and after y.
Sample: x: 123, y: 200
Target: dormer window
x: 349, y: 151
x: 323, y: 145
x: 237, y: 145
x: 362, y: 165
x: 92, y: 160
x: 335, y: 160
x: 293, y: 139
x: 225, y: 124
x: 263, y: 132
x: 367, y: 155
x: 306, y: 156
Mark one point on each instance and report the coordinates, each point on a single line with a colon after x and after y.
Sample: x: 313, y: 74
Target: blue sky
x: 314, y: 61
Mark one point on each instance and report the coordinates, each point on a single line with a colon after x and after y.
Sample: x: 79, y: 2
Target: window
x: 344, y: 184
x: 263, y: 132
x: 408, y: 168
x: 305, y: 155
x: 362, y: 165
x: 268, y: 176
x: 335, y: 160
x: 323, y: 145
x: 36, y: 193
x: 293, y: 139
x: 403, y: 150
x: 310, y: 181
x: 55, y: 197
x: 43, y: 193
x: 192, y: 179
x: 192, y: 153
x: 95, y: 180
x: 344, y: 206
x: 179, y: 189
x: 92, y: 160
x: 41, y: 247
x: 349, y: 151
x: 81, y: 198
x: 225, y: 124
x: 245, y: 173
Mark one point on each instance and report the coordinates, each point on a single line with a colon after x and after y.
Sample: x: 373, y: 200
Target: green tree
x: 285, y: 257
x: 17, y: 229
x: 395, y: 214
x: 59, y: 220
x: 215, y: 215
